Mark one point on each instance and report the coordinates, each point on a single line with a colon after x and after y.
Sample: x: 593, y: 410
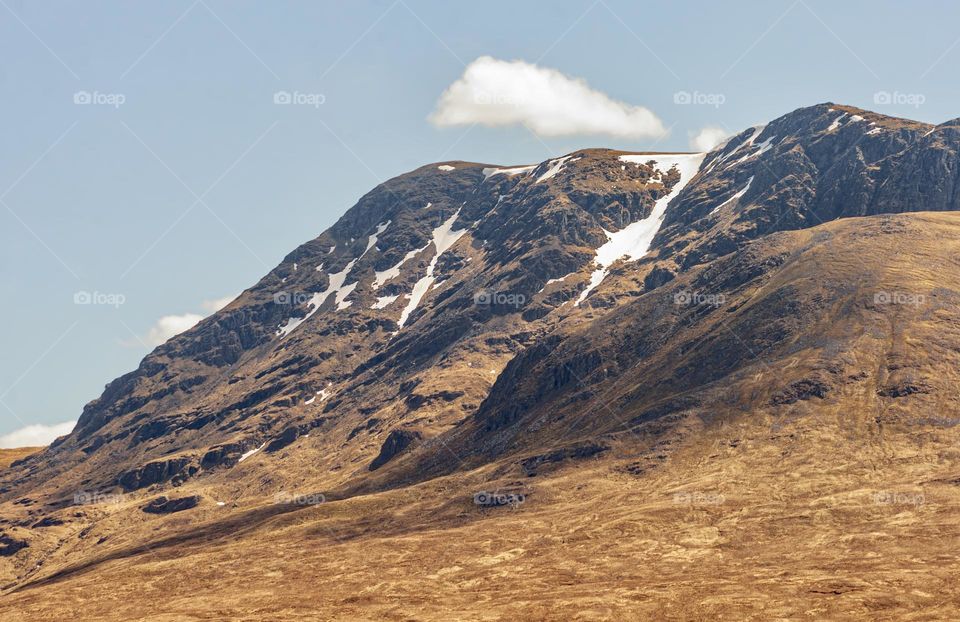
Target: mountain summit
x: 630, y: 354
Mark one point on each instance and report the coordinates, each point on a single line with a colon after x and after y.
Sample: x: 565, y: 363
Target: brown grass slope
x: 787, y: 453
x: 11, y: 455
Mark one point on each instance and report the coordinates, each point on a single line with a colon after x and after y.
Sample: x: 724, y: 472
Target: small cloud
x: 168, y: 326
x: 708, y: 138
x: 212, y: 306
x: 36, y: 435
x: 496, y: 93
x: 171, y: 325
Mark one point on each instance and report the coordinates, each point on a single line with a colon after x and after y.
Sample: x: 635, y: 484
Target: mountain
x: 498, y: 388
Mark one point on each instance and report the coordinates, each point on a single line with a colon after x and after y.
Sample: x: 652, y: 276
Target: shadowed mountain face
x: 468, y: 322
x: 397, y: 318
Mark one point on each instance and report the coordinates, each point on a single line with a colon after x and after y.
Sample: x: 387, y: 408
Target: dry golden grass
x: 800, y: 523
x: 8, y: 456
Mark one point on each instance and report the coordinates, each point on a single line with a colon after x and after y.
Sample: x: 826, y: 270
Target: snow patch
x: 384, y: 301
x: 382, y: 276
x: 552, y: 281
x: 372, y: 240
x: 765, y: 146
x: 735, y: 197
x: 445, y: 167
x: 843, y: 119
x: 633, y: 241
x: 836, y: 122
x: 251, y: 452
x: 342, y: 294
x: 336, y: 287
x: 555, y: 167
x: 757, y: 130
x: 443, y: 238
x: 491, y: 171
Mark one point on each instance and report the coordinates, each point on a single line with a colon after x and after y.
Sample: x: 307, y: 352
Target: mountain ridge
x: 455, y: 325
x: 227, y: 346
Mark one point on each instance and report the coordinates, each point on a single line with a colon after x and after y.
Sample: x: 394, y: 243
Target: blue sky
x: 182, y: 181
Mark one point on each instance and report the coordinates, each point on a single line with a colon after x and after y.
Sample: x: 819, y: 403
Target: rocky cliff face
x: 397, y: 318
x: 806, y: 168
x: 465, y: 313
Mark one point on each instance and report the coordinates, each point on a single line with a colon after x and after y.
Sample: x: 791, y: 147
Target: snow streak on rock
x: 443, y: 238
x: 633, y: 241
x: 336, y: 286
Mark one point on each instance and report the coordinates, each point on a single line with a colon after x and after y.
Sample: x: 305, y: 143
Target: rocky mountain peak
x: 473, y: 310
x: 806, y: 168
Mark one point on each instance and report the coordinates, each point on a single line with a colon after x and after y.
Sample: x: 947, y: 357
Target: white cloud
x: 494, y: 93
x: 708, y: 138
x: 212, y: 306
x: 168, y: 326
x: 35, y: 435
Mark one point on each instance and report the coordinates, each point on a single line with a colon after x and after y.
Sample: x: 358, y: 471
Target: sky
x: 158, y: 158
